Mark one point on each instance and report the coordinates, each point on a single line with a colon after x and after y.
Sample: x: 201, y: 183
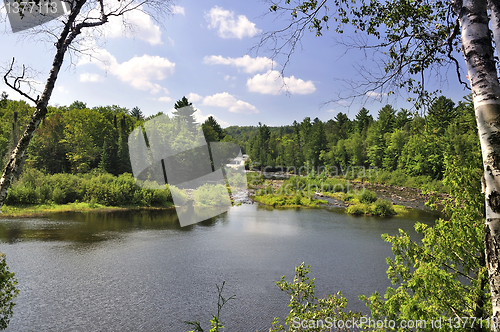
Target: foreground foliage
x: 216, y: 324
x: 305, y: 307
x: 7, y: 294
x: 444, y: 277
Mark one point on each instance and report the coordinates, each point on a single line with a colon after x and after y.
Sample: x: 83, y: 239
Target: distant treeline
x: 77, y: 139
x: 397, y: 140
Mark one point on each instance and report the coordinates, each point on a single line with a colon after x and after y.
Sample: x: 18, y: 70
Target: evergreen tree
x: 109, y: 157
x: 3, y: 101
x: 137, y: 113
x: 212, y: 130
x: 363, y: 120
x: 402, y: 118
x: 317, y: 141
x: 386, y: 119
x: 184, y: 111
x: 343, y: 125
x: 441, y: 114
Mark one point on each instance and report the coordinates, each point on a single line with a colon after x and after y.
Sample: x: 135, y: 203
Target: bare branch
x: 407, y: 53
x: 18, y: 80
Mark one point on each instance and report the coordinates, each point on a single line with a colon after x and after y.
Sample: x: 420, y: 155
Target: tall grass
x: 35, y: 187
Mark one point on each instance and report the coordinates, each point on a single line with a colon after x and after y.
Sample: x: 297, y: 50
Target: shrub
x: 66, y: 188
x: 383, y: 207
x: 160, y: 197
x: 348, y: 197
x: 211, y: 195
x: 58, y: 196
x: 307, y: 307
x: 356, y: 209
x: 35, y: 187
x: 367, y: 197
x: 9, y: 291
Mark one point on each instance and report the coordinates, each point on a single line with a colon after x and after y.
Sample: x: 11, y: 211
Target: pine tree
x: 137, y: 113
x: 184, y: 111
x: 441, y: 114
x: 212, y: 130
x: 363, y: 120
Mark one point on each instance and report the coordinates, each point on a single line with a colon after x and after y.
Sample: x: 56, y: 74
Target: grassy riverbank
x: 288, y: 200
x: 36, y: 193
x: 47, y: 209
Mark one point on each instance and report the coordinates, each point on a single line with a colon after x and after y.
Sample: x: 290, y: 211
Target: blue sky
x: 204, y: 51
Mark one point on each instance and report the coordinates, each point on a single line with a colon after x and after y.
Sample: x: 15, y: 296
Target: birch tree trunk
x: 72, y: 28
x: 477, y: 49
x: 68, y: 34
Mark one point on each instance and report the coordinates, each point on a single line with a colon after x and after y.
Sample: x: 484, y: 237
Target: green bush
x: 307, y: 307
x: 58, y: 196
x: 349, y: 196
x: 160, y: 197
x: 9, y: 292
x: 35, y: 187
x: 367, y: 197
x: 211, y: 195
x: 383, y: 207
x: 66, y: 188
x: 356, y: 209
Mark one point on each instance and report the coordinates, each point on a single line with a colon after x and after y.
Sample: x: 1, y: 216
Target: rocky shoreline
x: 410, y: 198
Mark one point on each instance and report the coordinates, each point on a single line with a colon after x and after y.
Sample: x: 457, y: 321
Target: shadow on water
x: 90, y: 227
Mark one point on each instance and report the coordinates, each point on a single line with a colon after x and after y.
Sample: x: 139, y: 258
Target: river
x: 139, y: 271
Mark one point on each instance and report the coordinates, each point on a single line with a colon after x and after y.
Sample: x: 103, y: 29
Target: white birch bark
x: 477, y: 49
x: 65, y: 39
x: 494, y: 9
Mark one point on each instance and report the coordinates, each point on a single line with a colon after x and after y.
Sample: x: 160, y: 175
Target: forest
x: 76, y: 139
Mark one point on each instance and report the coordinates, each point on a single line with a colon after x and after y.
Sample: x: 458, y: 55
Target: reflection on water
x: 140, y: 271
x: 90, y: 226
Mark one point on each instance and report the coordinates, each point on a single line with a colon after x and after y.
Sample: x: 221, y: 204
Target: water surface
x: 140, y: 271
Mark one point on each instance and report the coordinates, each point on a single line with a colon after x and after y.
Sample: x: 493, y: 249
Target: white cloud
x: 91, y: 77
x: 375, y: 95
x: 228, y: 26
x: 100, y: 57
x: 200, y: 118
x: 178, y: 10
x: 248, y: 64
x: 138, y: 71
x: 272, y: 83
x: 194, y: 97
x: 62, y: 89
x: 227, y: 78
x: 138, y: 24
x: 165, y: 99
x: 230, y: 102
